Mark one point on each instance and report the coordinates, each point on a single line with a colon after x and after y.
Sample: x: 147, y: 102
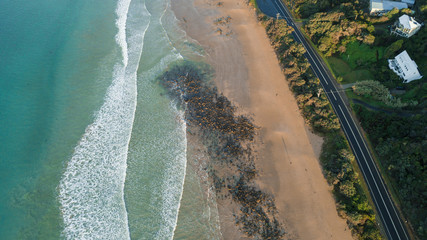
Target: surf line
x: 91, y: 190
x: 183, y: 129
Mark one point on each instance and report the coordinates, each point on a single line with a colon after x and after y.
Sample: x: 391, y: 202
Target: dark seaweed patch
x: 228, y: 138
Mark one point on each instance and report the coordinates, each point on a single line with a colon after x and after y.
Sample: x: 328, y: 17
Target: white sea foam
x: 167, y: 189
x: 175, y: 170
x: 173, y: 186
x: 122, y: 13
x: 91, y: 189
x: 164, y: 30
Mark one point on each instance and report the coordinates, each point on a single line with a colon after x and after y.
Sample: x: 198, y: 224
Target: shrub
x: 379, y: 92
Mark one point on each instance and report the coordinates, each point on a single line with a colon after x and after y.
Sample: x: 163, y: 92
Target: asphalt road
x: 385, y: 207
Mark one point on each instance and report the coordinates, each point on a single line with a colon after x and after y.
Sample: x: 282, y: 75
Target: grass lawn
x: 357, y: 75
x: 339, y: 66
x: 342, y: 69
x: 361, y: 53
x: 349, y: 65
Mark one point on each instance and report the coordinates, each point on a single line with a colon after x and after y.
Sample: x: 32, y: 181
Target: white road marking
x: 316, y: 58
x: 302, y: 42
x: 349, y: 126
x: 369, y: 168
x: 334, y: 95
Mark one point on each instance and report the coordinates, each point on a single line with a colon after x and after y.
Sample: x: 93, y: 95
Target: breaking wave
x: 91, y: 188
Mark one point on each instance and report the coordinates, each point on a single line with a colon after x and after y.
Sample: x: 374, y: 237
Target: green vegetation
x: 393, y: 49
x: 360, y: 55
x: 341, y: 29
x: 342, y: 69
x: 333, y: 31
x: 355, y: 63
x: 357, y: 46
x: 417, y: 48
x: 337, y: 159
x: 418, y: 92
x: 376, y: 91
x: 368, y: 100
x: 372, y: 89
x: 421, y: 6
x: 358, y: 75
x: 339, y: 66
x: 401, y: 144
x: 353, y: 205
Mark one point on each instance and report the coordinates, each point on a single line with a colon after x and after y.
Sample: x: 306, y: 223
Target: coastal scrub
x: 336, y: 158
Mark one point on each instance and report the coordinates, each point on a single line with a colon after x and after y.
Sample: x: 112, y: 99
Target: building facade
x: 405, y: 67
x: 406, y: 26
x: 379, y: 7
x: 409, y: 2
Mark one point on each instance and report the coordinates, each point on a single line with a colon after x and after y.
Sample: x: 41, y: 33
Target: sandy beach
x: 248, y: 73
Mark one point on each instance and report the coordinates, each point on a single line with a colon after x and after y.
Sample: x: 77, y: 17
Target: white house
x: 409, y: 2
x: 406, y: 26
x: 405, y: 67
x: 383, y: 6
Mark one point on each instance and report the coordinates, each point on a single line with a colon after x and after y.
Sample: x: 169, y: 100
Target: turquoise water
x: 48, y: 93
x: 89, y: 145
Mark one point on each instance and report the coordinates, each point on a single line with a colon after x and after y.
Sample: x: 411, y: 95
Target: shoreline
x: 248, y: 73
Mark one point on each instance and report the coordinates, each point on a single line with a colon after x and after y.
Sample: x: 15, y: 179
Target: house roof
x: 380, y: 5
x: 408, y: 22
x: 412, y: 2
x: 376, y: 4
x: 408, y: 66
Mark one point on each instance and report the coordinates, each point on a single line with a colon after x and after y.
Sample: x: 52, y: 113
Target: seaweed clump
x: 228, y: 138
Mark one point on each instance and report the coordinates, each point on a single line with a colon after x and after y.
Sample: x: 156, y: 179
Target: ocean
x: 90, y: 145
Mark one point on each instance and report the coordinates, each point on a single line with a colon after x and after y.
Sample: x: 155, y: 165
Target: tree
x: 379, y: 92
x: 369, y: 39
x: 393, y: 48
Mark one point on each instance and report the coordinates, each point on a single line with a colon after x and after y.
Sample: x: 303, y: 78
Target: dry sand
x: 248, y: 73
